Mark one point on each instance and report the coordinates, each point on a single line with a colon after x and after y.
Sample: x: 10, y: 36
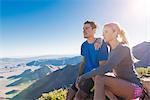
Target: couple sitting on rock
x: 96, y: 62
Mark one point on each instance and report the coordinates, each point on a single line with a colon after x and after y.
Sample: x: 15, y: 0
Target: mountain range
x: 64, y: 77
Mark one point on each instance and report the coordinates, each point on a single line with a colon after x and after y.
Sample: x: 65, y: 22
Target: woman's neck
x: 114, y: 43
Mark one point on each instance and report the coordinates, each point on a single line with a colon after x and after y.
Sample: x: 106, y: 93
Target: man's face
x: 88, y: 31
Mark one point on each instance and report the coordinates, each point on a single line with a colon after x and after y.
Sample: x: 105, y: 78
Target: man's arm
x: 81, y: 68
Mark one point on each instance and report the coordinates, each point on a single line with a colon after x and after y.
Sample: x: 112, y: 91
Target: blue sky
x: 54, y: 27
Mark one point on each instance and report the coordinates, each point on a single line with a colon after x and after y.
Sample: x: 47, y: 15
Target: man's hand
x: 98, y: 43
x: 78, y: 82
x: 81, y: 69
x: 77, y: 86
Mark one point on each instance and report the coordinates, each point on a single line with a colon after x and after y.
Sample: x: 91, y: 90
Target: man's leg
x: 85, y: 89
x: 80, y: 95
x: 71, y: 92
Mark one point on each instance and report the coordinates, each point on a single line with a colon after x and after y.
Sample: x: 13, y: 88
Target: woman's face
x: 108, y: 34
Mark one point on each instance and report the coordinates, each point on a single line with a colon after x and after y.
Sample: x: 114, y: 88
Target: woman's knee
x: 99, y: 79
x: 103, y: 79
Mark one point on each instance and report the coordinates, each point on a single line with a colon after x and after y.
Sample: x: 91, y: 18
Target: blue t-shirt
x: 93, y: 56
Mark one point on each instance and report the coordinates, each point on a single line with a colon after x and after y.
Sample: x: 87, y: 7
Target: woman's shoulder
x: 124, y: 47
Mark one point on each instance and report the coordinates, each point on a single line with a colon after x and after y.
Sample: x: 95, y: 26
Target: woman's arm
x: 115, y: 58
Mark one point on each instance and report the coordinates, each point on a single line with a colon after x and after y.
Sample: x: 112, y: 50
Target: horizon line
x: 34, y: 56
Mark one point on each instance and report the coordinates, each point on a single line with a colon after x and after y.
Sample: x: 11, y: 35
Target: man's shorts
x: 85, y: 87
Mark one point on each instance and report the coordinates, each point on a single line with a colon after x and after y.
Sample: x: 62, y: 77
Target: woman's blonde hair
x: 121, y: 33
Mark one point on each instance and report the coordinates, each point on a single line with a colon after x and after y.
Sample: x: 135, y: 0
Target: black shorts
x: 86, y: 86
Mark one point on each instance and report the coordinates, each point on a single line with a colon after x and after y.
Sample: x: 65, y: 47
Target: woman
x: 126, y: 84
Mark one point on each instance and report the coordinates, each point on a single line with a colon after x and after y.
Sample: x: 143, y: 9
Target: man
x: 91, y: 58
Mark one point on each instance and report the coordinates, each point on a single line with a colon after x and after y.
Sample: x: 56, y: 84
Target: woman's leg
x: 109, y: 94
x: 117, y: 86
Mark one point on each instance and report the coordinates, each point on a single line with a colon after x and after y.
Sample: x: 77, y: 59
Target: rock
x: 146, y: 84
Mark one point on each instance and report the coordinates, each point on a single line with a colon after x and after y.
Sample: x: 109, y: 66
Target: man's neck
x: 90, y: 40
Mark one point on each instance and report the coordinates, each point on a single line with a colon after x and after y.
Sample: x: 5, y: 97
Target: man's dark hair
x: 93, y: 24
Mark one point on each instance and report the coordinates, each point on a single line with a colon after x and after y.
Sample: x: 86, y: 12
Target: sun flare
x: 141, y: 7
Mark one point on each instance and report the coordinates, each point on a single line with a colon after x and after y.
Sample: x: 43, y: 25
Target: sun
x: 141, y: 7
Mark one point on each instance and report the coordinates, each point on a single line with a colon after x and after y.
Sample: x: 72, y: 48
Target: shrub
x: 143, y: 71
x: 54, y: 95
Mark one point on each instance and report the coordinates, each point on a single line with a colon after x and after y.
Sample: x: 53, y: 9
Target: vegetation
x: 55, y: 95
x: 143, y: 71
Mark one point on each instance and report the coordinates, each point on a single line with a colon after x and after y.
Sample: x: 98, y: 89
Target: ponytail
x: 123, y: 37
x: 121, y: 33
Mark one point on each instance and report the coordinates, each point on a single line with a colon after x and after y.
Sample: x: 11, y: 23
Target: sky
x: 54, y: 27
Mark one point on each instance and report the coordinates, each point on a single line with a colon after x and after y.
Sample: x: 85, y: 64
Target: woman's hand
x: 98, y: 43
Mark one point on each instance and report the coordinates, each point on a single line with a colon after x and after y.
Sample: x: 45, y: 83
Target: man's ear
x: 94, y: 30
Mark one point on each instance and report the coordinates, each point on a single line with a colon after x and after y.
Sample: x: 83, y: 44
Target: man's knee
x: 70, y: 95
x: 80, y: 95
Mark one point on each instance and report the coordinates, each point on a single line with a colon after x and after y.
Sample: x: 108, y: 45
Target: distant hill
x: 14, y: 62
x: 29, y: 75
x: 142, y: 53
x: 58, y: 79
x: 56, y: 62
x: 11, y: 62
x: 25, y: 73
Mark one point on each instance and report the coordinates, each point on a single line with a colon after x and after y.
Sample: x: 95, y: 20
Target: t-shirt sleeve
x: 103, y: 52
x: 82, y: 50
